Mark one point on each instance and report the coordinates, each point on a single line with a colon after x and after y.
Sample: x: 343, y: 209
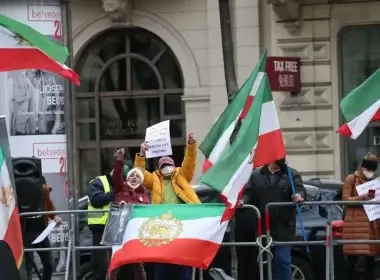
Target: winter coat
x: 98, y: 198
x: 181, y: 178
x: 124, y: 192
x: 356, y: 224
x: 260, y: 191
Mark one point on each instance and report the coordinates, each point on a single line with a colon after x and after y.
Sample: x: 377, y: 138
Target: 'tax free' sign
x: 284, y: 73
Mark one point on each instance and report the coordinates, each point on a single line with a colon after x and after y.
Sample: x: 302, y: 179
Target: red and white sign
x: 284, y: 73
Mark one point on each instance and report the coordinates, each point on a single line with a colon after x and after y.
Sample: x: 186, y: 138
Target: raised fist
x: 120, y: 154
x: 143, y: 148
x: 191, y: 139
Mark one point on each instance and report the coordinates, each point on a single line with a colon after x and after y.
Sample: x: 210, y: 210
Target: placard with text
x: 372, y: 211
x: 158, y: 137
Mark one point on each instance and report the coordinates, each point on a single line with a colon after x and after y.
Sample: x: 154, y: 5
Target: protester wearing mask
x: 130, y: 191
x: 356, y: 223
x: 171, y: 185
x: 271, y: 183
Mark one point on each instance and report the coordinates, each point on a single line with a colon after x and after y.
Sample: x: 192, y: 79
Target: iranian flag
x: 183, y: 234
x: 22, y: 48
x: 10, y: 230
x: 361, y: 106
x: 259, y: 141
x: 218, y: 139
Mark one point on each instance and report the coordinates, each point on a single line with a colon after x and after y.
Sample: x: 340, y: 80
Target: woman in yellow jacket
x: 171, y: 185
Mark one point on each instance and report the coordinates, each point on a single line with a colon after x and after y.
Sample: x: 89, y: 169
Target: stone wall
x: 310, y: 119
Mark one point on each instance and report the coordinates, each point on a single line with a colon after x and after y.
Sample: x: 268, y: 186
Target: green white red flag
x: 218, y: 138
x: 183, y: 234
x: 22, y: 48
x: 258, y: 141
x: 10, y: 229
x: 361, y: 106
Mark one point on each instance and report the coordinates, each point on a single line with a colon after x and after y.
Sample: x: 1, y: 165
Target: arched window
x: 130, y: 80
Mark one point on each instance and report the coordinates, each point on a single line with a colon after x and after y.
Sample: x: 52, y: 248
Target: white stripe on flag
x: 268, y: 120
x: 256, y: 83
x: 238, y: 180
x: 5, y: 211
x: 223, y: 142
x: 358, y: 124
x: 208, y: 229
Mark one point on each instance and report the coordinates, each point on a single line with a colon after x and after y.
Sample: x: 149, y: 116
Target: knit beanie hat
x: 138, y: 171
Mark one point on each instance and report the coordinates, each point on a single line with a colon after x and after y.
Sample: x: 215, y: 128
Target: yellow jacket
x: 181, y: 178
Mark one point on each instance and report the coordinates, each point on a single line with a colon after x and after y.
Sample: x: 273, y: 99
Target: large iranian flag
x: 10, y: 230
x: 259, y: 141
x: 183, y: 234
x: 218, y: 138
x: 361, y: 106
x: 22, y: 47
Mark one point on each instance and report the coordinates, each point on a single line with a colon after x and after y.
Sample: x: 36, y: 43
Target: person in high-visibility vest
x: 100, y: 196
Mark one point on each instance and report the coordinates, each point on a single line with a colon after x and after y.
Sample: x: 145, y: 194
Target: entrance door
x: 130, y: 80
x: 360, y: 57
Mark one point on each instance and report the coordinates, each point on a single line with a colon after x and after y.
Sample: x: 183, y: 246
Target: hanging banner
x: 33, y: 102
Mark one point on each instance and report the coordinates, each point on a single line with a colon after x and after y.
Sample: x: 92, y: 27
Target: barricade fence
x: 264, y: 241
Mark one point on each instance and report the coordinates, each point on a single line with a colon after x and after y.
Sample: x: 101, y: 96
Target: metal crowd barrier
x: 72, y: 248
x: 329, y: 241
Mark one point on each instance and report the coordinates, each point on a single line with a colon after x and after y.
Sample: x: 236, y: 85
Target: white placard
x: 372, y: 211
x: 46, y: 232
x: 158, y: 137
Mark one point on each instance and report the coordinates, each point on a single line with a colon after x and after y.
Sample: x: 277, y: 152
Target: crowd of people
x: 171, y: 184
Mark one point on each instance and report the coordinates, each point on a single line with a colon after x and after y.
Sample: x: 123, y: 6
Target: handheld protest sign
x: 158, y: 137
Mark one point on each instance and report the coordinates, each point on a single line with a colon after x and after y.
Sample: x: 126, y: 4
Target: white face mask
x: 134, y: 181
x: 368, y: 174
x: 167, y: 170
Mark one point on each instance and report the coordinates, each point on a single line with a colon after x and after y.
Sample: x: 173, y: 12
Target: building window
x: 360, y: 57
x: 130, y: 80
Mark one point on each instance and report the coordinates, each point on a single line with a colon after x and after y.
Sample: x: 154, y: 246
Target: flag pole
x: 290, y: 175
x: 70, y: 133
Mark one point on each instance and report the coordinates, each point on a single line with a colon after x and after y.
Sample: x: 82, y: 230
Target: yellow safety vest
x: 99, y: 218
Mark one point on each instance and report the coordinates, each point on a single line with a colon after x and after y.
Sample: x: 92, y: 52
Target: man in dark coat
x: 271, y: 183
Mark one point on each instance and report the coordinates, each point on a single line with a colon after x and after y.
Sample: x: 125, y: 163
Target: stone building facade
x: 191, y: 30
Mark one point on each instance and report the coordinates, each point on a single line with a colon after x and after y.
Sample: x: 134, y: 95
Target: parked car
x: 304, y: 267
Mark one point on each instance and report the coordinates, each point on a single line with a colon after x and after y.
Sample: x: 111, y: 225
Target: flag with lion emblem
x: 10, y: 229
x: 183, y: 234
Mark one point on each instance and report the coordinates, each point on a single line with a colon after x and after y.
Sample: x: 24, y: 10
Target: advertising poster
x: 33, y: 102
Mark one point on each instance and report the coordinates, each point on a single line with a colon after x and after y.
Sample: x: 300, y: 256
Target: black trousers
x: 99, y: 258
x: 369, y: 266
x: 247, y: 255
x: 46, y: 260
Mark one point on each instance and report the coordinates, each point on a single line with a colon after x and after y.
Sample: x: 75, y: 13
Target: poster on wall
x: 33, y: 102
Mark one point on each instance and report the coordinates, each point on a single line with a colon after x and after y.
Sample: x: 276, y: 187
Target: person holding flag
x: 248, y: 136
x: 271, y: 183
x: 171, y: 185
